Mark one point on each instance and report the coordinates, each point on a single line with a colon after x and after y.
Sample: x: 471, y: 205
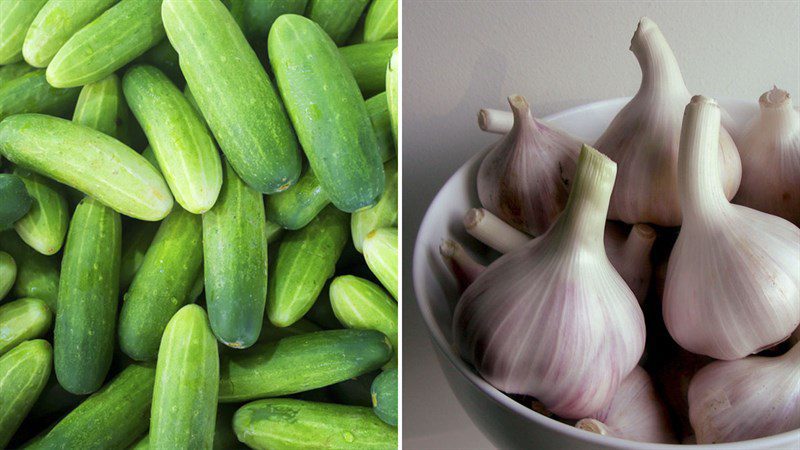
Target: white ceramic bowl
x: 505, y: 422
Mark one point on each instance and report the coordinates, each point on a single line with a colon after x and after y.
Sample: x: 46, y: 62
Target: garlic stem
x: 495, y: 121
x: 593, y: 425
x: 661, y: 75
x: 492, y: 231
x: 639, y: 243
x: 463, y: 267
x: 776, y: 109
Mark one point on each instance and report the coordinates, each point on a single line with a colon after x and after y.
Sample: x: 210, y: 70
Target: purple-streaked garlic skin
x: 733, y: 280
x: 732, y: 401
x: 630, y: 255
x: 525, y: 178
x: 643, y: 138
x: 770, y: 152
x: 461, y: 264
x: 553, y: 319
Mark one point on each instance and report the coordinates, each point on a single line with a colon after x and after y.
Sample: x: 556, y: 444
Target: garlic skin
x: 770, y: 152
x: 630, y: 255
x: 643, y: 138
x: 525, y: 178
x: 754, y: 397
x: 733, y: 280
x: 553, y: 320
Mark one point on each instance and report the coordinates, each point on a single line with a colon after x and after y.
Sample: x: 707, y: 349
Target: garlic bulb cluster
x: 754, y: 397
x: 525, y: 177
x: 643, y: 139
x: 733, y: 280
x: 770, y: 152
x: 464, y: 267
x: 553, y: 319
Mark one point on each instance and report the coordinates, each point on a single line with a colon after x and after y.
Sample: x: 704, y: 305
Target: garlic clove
x: 733, y: 280
x: 464, y: 267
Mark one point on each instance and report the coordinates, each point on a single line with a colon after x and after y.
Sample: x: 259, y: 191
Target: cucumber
x: 328, y: 112
x: 306, y: 258
x: 16, y: 200
x: 378, y: 109
x: 112, y: 418
x: 15, y: 18
x: 23, y: 319
x: 100, y: 106
x: 382, y: 214
x: 271, y: 333
x: 357, y: 36
x: 384, y: 396
x: 235, y: 262
x: 136, y: 240
x: 12, y: 71
x: 283, y: 423
x: 37, y: 274
x: 300, y: 363
x: 321, y: 312
x: 23, y: 375
x: 337, y: 17
x: 381, y: 21
x: 368, y: 63
x: 162, y: 285
x: 185, y: 150
x: 31, y: 93
x: 234, y: 94
x: 142, y: 444
x: 187, y: 381
x: 272, y: 231
x: 88, y: 160
x: 224, y: 437
x: 380, y: 251
x: 355, y: 391
x: 45, y: 225
x: 87, y: 298
x: 255, y: 17
x: 115, y: 38
x: 392, y: 94
x: 165, y: 58
x: 8, y: 273
x: 55, y: 401
x: 55, y: 23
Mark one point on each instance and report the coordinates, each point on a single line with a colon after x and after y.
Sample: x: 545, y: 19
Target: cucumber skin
x: 381, y: 21
x: 100, y: 106
x: 30, y: 93
x: 382, y: 214
x: 368, y: 63
x: 384, y: 396
x: 13, y: 71
x: 187, y: 380
x: 165, y: 58
x: 87, y: 296
x: 337, y: 19
x: 37, y: 274
x: 125, y: 31
x: 306, y: 258
x: 380, y: 252
x: 234, y: 93
x: 327, y: 111
x: 88, y: 160
x: 135, y: 243
x: 284, y: 423
x: 45, y: 226
x: 162, y: 284
x: 300, y: 363
x: 114, y: 417
x: 379, y: 115
x: 224, y: 437
x: 15, y: 18
x: 23, y: 376
x: 271, y: 333
x: 392, y: 94
x: 21, y: 320
x: 17, y: 201
x: 8, y: 273
x: 235, y: 262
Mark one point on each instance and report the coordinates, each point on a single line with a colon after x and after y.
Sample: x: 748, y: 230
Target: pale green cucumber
x: 137, y: 237
x: 381, y: 21
x: 234, y: 94
x: 12, y: 71
x: 45, y: 225
x: 31, y: 93
x: 162, y: 284
x: 16, y: 200
x: 15, y: 18
x: 23, y: 319
x: 23, y: 375
x: 289, y: 424
x: 224, y: 437
x: 383, y: 214
x: 380, y: 252
x: 100, y: 106
x: 185, y: 150
x: 272, y: 231
x: 368, y: 63
x: 55, y: 23
x: 337, y: 17
x: 88, y: 160
x: 198, y: 286
x: 306, y: 259
x: 384, y: 396
x: 8, y: 273
x: 187, y: 380
x: 142, y: 444
x: 378, y: 109
x: 37, y: 274
x: 271, y: 333
x: 392, y: 94
x: 165, y: 58
x: 110, y: 41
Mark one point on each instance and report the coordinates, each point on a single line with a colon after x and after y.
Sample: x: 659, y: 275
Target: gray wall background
x: 460, y: 56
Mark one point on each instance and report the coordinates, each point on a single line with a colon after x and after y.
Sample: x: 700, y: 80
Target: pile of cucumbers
x: 198, y: 224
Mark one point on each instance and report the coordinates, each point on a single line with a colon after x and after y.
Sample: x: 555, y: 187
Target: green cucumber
x: 328, y: 112
x: 256, y: 17
x: 271, y: 333
x: 384, y: 396
x: 135, y: 243
x: 357, y: 36
x: 378, y: 109
x: 234, y: 94
x: 165, y: 58
x: 380, y: 252
x: 15, y: 18
x: 300, y: 363
x: 187, y: 380
x: 37, y: 274
x: 382, y: 214
x: 284, y: 424
x: 100, y: 106
x: 162, y: 284
x: 8, y: 273
x: 185, y: 150
x: 272, y: 231
x: 31, y: 93
x: 23, y: 375
x: 368, y: 63
x: 321, y: 312
x: 306, y: 258
x: 112, y: 418
x: 55, y: 23
x: 235, y: 262
x: 337, y: 17
x: 142, y: 444
x: 88, y: 160
x: 381, y: 21
x: 392, y: 94
x: 54, y: 401
x: 45, y: 225
x: 354, y: 391
x: 16, y: 200
x: 224, y: 437
x: 87, y: 298
x: 115, y: 38
x: 23, y: 319
x: 13, y: 71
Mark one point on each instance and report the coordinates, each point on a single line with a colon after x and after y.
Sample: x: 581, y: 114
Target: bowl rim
x: 437, y: 336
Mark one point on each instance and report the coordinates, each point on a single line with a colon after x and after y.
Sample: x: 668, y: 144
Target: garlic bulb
x: 463, y: 267
x: 553, y: 319
x: 770, y: 152
x: 643, y: 138
x: 754, y: 397
x: 733, y: 280
x: 636, y: 413
x: 525, y: 178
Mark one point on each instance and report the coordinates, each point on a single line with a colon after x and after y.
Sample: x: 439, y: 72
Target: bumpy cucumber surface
x: 15, y: 18
x: 392, y: 94
x: 12, y: 71
x: 8, y: 273
x: 381, y: 21
x: 31, y: 93
x: 16, y: 200
x: 136, y: 241
x: 380, y: 251
x: 384, y: 396
x: 45, y: 225
x: 381, y: 215
x: 368, y: 63
x: 37, y: 274
x: 100, y: 106
x: 338, y: 18
x: 23, y: 376
x: 23, y: 319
